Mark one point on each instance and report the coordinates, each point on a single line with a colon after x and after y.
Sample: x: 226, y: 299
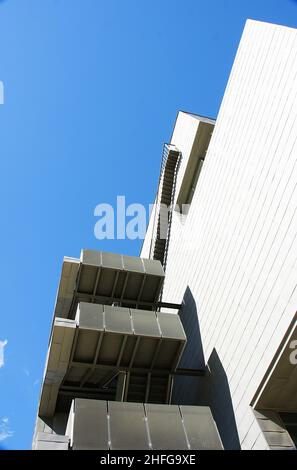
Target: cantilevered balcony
x: 104, y: 425
x: 108, y: 278
x: 112, y: 358
x: 151, y: 426
x: 87, y: 354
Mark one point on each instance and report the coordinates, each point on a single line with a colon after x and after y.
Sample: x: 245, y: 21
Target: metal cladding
x: 103, y: 340
x: 111, y: 361
x: 108, y: 278
x: 151, y: 426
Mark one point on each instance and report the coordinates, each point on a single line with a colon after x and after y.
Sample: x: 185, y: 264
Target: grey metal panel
x: 134, y: 285
x: 171, y: 326
x: 63, y: 306
x: 109, y: 277
x: 165, y: 427
x: 91, y: 322
x: 128, y: 351
x: 200, y: 428
x: 145, y: 323
x: 107, y: 281
x: 151, y: 289
x: 57, y: 364
x: 168, y: 354
x: 120, y: 278
x: 133, y: 264
x: 145, y: 352
x: 153, y: 267
x: 117, y: 319
x: 67, y: 282
x: 140, y: 426
x: 87, y: 279
x: 91, y: 257
x: 90, y: 428
x: 110, y: 348
x: 112, y: 260
x: 86, y: 345
x: 127, y: 426
x: 122, y: 262
x: 120, y: 387
x: 90, y: 316
x: 104, y: 337
x: 136, y: 388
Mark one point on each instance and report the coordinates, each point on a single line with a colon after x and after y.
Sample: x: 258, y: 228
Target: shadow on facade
x: 211, y: 390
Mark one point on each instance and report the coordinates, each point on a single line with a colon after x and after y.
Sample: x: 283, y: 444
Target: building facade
x: 112, y: 359
x: 231, y: 259
x: 194, y: 342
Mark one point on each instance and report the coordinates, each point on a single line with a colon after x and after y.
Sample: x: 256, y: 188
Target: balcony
x: 108, y: 278
x: 87, y: 355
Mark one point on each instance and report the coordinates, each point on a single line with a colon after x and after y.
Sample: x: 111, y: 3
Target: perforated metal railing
x: 164, y: 204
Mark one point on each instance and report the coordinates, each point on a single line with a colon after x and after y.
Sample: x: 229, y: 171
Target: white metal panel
x: 234, y: 257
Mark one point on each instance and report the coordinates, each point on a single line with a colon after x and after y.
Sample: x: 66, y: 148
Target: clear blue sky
x: 92, y: 89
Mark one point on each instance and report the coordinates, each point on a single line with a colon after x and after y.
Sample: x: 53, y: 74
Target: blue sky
x: 92, y: 89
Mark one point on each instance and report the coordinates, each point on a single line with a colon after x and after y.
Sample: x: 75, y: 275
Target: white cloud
x: 2, y: 346
x: 5, y: 432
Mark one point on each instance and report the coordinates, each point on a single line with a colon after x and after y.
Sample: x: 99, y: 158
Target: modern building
x: 112, y: 359
x: 193, y: 345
